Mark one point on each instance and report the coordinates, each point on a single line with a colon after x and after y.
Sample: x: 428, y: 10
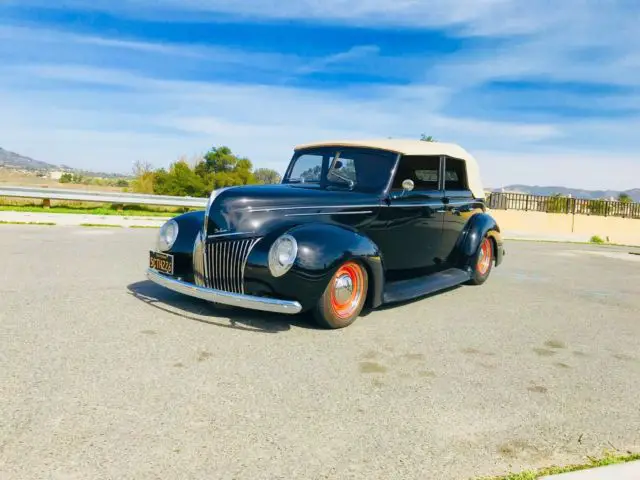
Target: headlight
x: 167, y: 236
x: 282, y: 254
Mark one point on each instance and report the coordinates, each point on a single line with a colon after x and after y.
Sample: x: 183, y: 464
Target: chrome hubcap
x: 343, y: 288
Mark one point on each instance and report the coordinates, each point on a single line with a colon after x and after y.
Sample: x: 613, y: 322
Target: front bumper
x: 225, y: 298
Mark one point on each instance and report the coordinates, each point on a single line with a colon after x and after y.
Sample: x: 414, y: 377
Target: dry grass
x: 609, y: 458
x: 63, y: 206
x: 19, y: 179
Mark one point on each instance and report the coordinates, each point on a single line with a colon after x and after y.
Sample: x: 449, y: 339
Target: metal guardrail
x: 101, y: 197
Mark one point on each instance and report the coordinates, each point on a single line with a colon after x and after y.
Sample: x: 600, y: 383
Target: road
x: 104, y: 375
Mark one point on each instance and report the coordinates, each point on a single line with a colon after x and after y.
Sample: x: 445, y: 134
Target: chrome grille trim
x: 199, y: 264
x: 220, y: 265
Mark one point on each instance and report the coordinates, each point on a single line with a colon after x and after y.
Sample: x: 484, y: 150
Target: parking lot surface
x: 105, y: 375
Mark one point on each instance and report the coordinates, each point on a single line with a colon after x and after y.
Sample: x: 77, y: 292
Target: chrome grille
x: 220, y: 265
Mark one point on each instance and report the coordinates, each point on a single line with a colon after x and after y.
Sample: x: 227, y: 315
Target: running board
x: 417, y: 287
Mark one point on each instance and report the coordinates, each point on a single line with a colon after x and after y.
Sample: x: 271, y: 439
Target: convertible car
x: 352, y: 225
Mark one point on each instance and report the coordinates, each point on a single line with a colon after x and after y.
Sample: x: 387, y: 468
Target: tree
x: 625, y: 198
x: 266, y: 176
x: 221, y: 168
x: 218, y: 168
x: 144, y: 177
x: 66, y: 178
x: 426, y: 138
x: 180, y: 180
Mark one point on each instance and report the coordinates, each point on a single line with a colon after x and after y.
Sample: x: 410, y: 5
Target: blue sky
x: 543, y: 92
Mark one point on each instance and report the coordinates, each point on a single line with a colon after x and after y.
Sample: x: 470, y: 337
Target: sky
x: 540, y: 92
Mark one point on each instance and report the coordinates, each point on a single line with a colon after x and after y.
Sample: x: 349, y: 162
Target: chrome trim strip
x: 222, y: 235
x: 225, y: 298
x: 272, y: 209
x: 327, y: 213
x: 199, y: 263
x: 233, y: 277
x: 246, y: 259
x: 425, y: 204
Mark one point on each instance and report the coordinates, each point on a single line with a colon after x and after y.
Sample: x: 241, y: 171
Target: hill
x: 13, y: 160
x: 574, y: 192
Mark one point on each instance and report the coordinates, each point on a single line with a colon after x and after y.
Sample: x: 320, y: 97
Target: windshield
x: 359, y: 169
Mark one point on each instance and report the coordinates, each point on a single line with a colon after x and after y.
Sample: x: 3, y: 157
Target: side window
x: 422, y: 170
x: 455, y: 175
x: 307, y: 169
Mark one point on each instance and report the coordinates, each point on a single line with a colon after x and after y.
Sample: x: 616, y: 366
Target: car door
x: 459, y: 204
x: 413, y: 219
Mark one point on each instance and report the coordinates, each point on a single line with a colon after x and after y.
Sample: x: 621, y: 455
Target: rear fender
x: 478, y: 226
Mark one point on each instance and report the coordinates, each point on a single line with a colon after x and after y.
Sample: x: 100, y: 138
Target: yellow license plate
x: 161, y: 262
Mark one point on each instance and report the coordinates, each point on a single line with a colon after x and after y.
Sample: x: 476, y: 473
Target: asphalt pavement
x: 105, y: 375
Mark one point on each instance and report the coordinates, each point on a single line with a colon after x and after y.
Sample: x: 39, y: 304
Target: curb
x: 620, y: 471
x: 81, y: 220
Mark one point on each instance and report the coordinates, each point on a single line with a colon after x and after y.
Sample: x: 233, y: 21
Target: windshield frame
x: 329, y: 154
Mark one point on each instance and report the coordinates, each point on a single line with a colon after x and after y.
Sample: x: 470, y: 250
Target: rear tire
x: 483, y: 262
x: 344, y: 297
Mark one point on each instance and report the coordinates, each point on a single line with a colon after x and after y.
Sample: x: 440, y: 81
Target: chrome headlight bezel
x: 168, y: 235
x: 282, y: 255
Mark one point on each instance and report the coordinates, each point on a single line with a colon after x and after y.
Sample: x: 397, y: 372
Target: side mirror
x: 407, y: 185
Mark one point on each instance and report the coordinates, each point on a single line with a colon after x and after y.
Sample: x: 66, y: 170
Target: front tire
x: 483, y: 262
x: 344, y: 297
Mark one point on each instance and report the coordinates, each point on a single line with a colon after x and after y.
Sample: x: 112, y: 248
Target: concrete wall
x: 563, y: 226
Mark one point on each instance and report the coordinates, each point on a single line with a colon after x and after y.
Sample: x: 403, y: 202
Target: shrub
x: 596, y: 239
x: 558, y: 204
x: 66, y: 178
x: 597, y: 207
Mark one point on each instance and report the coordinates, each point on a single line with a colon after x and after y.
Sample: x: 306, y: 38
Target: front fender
x: 189, y: 224
x: 322, y: 248
x: 468, y: 243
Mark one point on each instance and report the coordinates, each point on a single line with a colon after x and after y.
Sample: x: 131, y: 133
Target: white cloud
x: 165, y: 119
x: 124, y: 116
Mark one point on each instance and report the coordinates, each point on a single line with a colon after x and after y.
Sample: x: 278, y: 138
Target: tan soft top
x: 415, y: 147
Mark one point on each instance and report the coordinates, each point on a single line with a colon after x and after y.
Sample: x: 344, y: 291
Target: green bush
x: 218, y: 168
x: 558, y: 204
x: 66, y: 178
x: 597, y: 207
x: 596, y: 239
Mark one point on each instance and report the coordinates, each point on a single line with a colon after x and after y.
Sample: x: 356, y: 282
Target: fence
x: 559, y: 204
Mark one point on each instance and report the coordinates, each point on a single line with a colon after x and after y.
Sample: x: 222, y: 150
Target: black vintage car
x: 353, y: 223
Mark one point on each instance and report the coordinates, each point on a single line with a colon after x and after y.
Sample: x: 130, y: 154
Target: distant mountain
x: 574, y: 192
x: 13, y: 160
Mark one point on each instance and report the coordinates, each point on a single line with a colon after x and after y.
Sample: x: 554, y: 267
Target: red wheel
x: 485, y: 257
x: 483, y: 263
x: 344, y: 296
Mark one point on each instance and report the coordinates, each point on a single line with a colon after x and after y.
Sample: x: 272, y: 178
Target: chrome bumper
x: 225, y: 298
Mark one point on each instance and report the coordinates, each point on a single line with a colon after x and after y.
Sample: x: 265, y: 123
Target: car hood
x: 247, y: 207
